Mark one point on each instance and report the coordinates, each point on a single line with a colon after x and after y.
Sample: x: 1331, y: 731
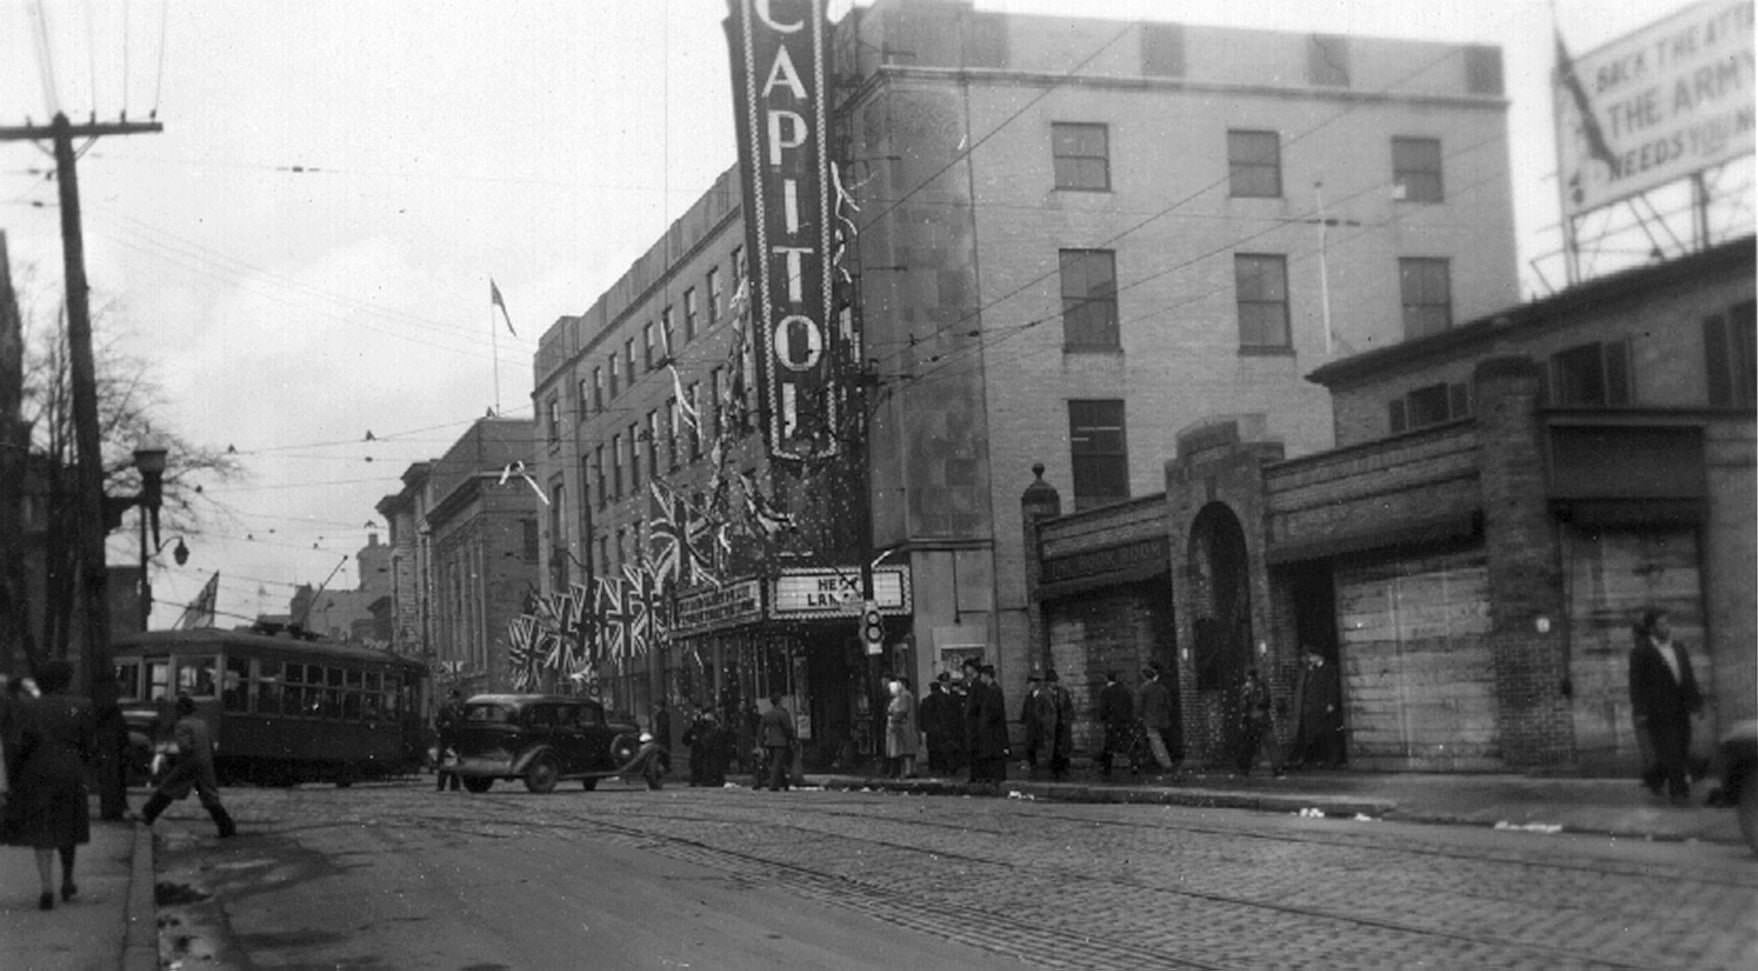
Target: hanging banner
x: 1661, y: 104
x: 780, y: 66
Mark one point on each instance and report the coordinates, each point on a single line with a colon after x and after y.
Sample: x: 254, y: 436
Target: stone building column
x: 1039, y: 502
x: 1528, y: 613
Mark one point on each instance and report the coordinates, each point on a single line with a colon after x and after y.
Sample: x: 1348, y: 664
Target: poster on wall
x: 779, y: 52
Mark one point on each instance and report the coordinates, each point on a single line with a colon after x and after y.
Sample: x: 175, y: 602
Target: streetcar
x: 283, y: 708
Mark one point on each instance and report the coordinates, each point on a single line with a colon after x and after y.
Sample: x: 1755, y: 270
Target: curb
x: 1196, y: 798
x: 140, y: 949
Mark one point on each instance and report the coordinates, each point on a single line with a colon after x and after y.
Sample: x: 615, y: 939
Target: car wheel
x: 589, y: 784
x: 473, y: 784
x: 541, y: 775
x: 1749, y: 808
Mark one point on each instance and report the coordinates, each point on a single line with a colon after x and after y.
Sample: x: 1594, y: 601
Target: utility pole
x: 94, y: 586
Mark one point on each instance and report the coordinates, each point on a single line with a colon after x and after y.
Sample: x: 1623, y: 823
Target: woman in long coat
x: 901, y: 730
x: 57, y: 737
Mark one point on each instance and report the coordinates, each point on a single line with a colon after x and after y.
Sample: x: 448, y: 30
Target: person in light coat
x: 902, y: 733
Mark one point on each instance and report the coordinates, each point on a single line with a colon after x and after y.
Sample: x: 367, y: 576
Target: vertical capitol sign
x: 780, y: 51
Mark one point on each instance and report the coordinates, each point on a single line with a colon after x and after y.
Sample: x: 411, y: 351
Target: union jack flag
x: 682, y: 541
x: 613, y: 627
x: 522, y: 653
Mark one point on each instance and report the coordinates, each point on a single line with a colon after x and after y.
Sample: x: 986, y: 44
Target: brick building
x: 463, y: 557
x: 1504, y: 500
x: 1077, y: 236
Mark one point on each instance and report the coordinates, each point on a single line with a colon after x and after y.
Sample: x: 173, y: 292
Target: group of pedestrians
x: 49, y: 744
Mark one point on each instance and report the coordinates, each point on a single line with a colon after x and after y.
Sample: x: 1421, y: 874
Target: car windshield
x: 486, y: 714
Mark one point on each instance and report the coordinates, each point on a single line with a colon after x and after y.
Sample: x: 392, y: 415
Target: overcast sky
x: 304, y: 254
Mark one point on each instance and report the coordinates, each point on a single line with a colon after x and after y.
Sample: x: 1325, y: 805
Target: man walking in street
x: 1117, y: 716
x: 1155, y: 704
x: 194, y: 768
x: 1663, y: 696
x: 446, y: 723
x: 776, y: 728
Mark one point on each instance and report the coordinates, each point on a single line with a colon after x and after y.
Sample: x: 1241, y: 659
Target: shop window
x: 1425, y: 286
x: 1261, y: 283
x: 1081, y: 154
x: 1727, y: 348
x: 1593, y: 375
x: 1416, y: 170
x: 1434, y: 404
x: 1089, y: 299
x: 1098, y: 452
x: 1254, y: 164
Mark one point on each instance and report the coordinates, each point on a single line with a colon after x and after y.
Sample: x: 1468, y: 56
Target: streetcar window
x: 372, y: 705
x: 158, y: 679
x: 374, y: 681
x: 236, y: 695
x: 351, y: 705
x: 128, y: 680
x: 196, y: 676
x: 268, y: 697
x: 353, y: 676
x: 333, y: 677
x: 314, y: 674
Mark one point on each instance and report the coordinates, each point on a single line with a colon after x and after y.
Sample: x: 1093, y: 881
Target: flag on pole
x: 495, y: 299
x: 200, y: 612
x: 1590, y: 130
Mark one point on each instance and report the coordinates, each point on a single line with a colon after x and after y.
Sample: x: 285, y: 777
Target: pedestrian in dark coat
x: 662, y: 733
x: 940, y: 723
x: 446, y: 724
x: 1059, y: 724
x: 1663, y: 696
x: 56, y: 742
x: 710, y: 751
x: 1031, y: 715
x: 988, y: 723
x: 1117, y: 716
x: 776, y: 729
x: 194, y: 769
x: 1154, y: 704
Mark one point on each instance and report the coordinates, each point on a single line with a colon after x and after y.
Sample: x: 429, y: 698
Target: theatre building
x: 1504, y: 500
x: 1075, y: 238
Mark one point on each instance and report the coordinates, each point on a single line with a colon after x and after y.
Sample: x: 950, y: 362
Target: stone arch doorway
x: 1220, y: 572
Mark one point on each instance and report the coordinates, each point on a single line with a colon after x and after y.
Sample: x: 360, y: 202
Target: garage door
x: 1613, y: 576
x: 1418, y: 686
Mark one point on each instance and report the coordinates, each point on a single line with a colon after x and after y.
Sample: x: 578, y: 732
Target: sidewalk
x: 1542, y: 804
x: 110, y: 925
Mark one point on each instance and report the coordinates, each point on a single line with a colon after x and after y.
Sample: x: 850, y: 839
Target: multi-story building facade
x: 1076, y: 238
x: 1505, y: 501
x: 463, y: 557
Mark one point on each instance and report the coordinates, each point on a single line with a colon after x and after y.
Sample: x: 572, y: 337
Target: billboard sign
x: 1666, y: 101
x: 780, y: 66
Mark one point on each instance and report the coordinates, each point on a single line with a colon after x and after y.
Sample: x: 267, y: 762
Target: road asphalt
x: 112, y: 922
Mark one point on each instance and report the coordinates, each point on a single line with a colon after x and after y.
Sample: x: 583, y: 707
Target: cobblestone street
x: 1048, y: 885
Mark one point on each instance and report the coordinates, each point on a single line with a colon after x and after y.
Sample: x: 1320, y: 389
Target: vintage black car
x: 542, y: 739
x: 1739, y: 777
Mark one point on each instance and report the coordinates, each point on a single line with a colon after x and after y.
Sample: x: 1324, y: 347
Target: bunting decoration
x: 517, y: 468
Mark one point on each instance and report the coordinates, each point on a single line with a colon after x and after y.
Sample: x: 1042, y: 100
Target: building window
x: 1434, y: 404
x: 1727, y: 348
x: 1254, y: 164
x: 1097, y: 452
x: 672, y: 426
x: 1327, y: 60
x: 738, y: 264
x: 585, y: 394
x: 1262, y: 285
x: 1427, y: 291
x: 598, y: 388
x: 1593, y: 375
x: 598, y: 472
x: 716, y: 299
x: 1416, y: 170
x: 616, y: 466
x: 629, y: 358
x: 1082, y: 156
x: 654, y: 432
x: 647, y: 355
x: 695, y: 401
x: 690, y: 314
x: 668, y: 336
x: 1089, y: 299
x: 553, y: 419
x: 635, y: 459
x: 710, y: 412
x: 613, y: 374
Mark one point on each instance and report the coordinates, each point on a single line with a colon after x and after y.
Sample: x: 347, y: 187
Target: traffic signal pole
x: 99, y: 668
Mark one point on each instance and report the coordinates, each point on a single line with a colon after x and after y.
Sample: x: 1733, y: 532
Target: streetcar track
x: 895, y: 898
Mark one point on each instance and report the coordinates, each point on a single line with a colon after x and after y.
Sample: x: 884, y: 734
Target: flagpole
x: 495, y: 343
